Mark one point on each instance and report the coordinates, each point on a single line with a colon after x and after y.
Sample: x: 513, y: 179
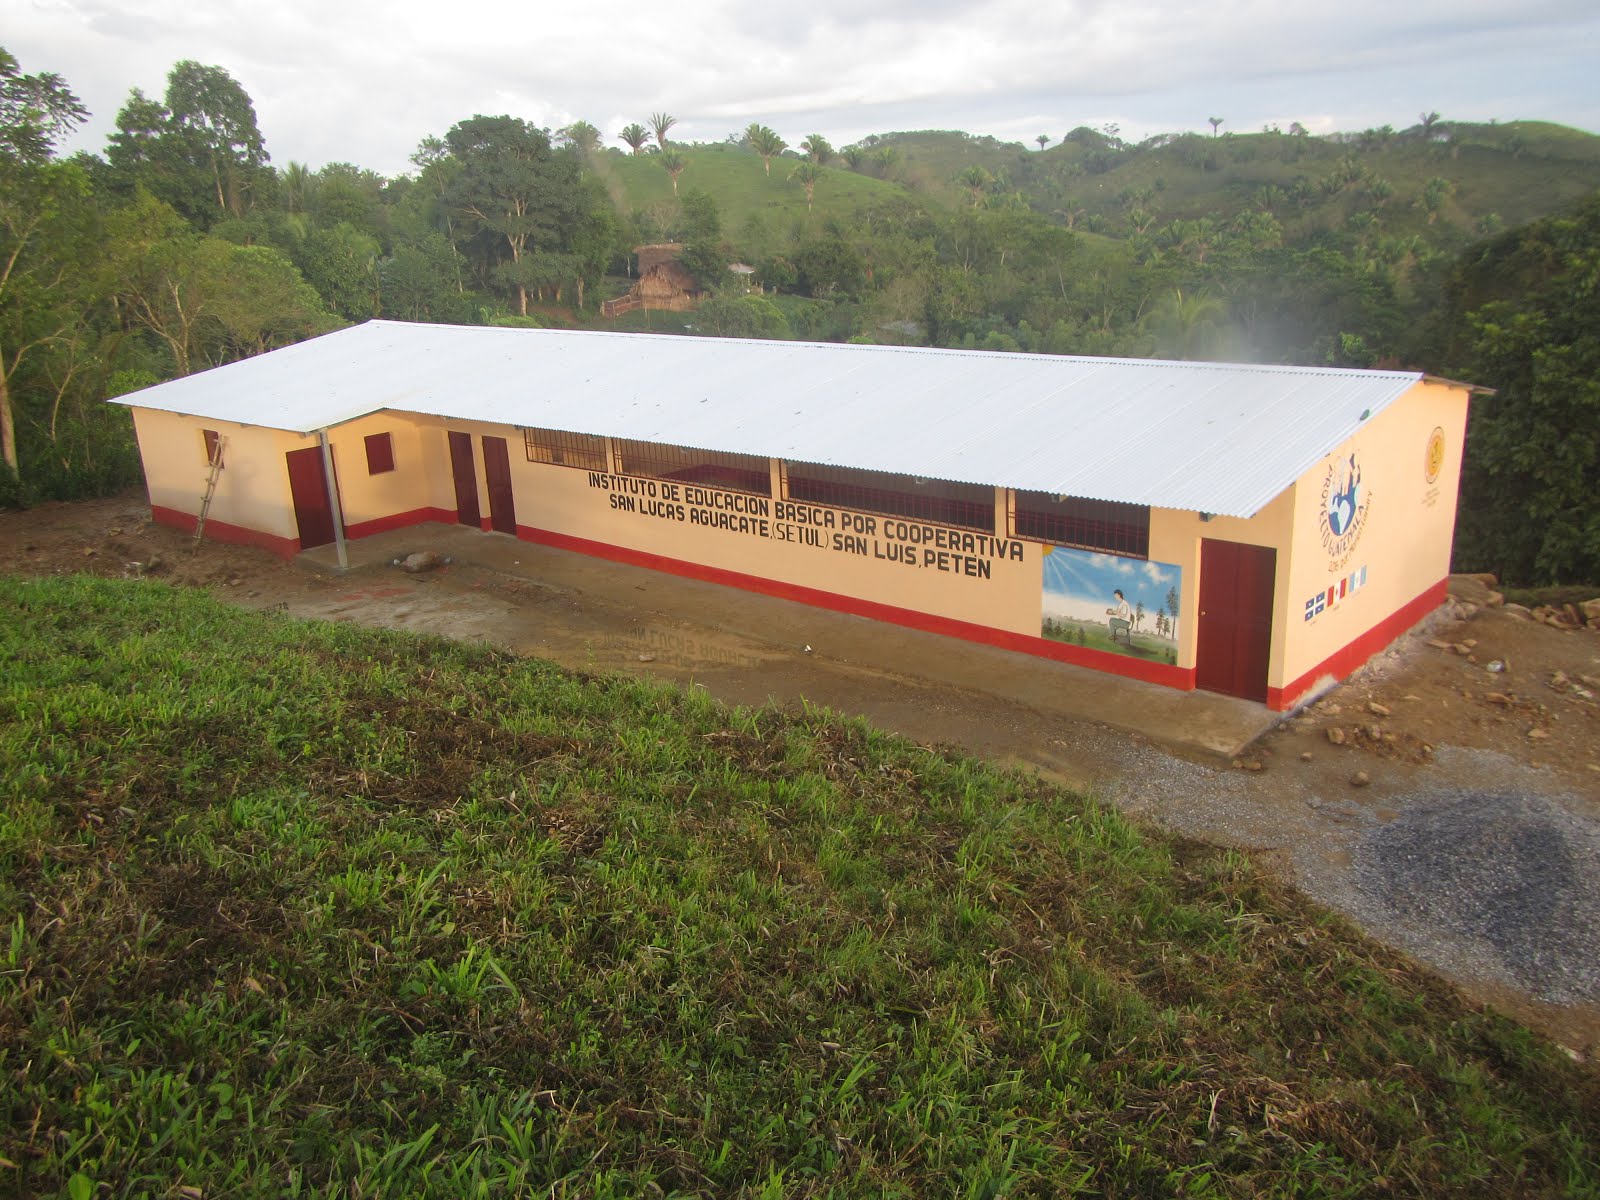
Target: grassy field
x: 294, y: 909
x: 743, y: 190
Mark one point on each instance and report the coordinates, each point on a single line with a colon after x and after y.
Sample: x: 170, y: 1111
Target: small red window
x: 213, y: 441
x: 380, y: 453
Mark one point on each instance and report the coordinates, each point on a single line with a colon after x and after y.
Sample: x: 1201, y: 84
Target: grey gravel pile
x: 1503, y: 885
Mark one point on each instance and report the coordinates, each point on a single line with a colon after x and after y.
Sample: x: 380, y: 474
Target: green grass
x: 735, y: 179
x: 294, y: 909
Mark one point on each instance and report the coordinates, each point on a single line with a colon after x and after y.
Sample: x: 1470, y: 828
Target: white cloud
x: 364, y: 82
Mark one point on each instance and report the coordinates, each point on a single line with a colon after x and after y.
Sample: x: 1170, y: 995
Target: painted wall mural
x: 1104, y: 602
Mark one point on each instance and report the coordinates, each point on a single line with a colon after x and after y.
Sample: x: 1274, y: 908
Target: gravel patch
x: 1502, y: 885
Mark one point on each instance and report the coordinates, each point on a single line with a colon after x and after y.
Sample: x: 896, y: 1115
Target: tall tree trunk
x: 8, y: 427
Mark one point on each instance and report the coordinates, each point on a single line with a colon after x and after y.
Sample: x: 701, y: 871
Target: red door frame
x: 1237, y: 588
x: 308, y: 490
x: 497, y: 479
x: 465, y: 476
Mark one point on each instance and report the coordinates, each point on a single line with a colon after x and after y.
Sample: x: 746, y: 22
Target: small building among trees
x: 1253, y: 530
x: 664, y: 283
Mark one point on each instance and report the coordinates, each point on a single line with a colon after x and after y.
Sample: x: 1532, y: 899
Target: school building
x: 1253, y: 530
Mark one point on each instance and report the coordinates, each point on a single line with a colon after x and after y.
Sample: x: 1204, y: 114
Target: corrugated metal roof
x: 1209, y: 437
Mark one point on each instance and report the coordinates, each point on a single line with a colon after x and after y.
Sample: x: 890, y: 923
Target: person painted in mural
x: 1120, y: 617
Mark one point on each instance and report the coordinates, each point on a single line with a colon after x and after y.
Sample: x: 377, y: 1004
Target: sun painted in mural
x: 1104, y: 602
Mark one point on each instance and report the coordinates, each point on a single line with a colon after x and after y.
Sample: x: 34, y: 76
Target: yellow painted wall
x: 421, y: 475
x: 1175, y: 537
x: 889, y: 560
x: 1403, y: 538
x: 253, y: 488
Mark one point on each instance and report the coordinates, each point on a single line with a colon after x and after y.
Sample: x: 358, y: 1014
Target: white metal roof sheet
x: 1209, y: 437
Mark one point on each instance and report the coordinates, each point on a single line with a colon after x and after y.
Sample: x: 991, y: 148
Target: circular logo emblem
x: 1344, y: 509
x: 1435, y: 460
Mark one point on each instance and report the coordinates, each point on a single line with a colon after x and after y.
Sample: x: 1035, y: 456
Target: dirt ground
x: 1480, y: 706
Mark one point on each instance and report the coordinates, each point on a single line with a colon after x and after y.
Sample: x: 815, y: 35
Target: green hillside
x: 1487, y: 177
x: 744, y: 191
x: 298, y: 909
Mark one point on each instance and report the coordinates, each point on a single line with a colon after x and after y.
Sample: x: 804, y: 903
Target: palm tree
x: 766, y: 143
x: 582, y: 135
x: 854, y: 156
x: 672, y: 163
x: 635, y: 135
x: 298, y: 181
x: 1215, y: 121
x: 818, y: 148
x: 1044, y: 140
x: 976, y: 180
x: 884, y: 158
x: 661, y: 122
x: 1184, y: 324
x: 807, y: 173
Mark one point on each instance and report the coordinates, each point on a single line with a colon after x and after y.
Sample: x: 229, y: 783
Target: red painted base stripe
x: 1116, y: 664
x: 1345, y: 661
x: 222, y: 531
x: 415, y: 516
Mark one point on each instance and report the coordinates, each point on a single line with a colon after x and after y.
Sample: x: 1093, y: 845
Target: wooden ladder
x: 214, y: 470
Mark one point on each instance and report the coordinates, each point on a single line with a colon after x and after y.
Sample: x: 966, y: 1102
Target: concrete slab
x: 1192, y: 722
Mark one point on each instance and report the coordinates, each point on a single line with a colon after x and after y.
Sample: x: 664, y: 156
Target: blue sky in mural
x: 1078, y: 583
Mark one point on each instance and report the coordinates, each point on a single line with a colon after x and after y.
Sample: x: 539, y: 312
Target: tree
x: 673, y: 164
x: 741, y: 317
x: 766, y: 143
x: 1215, y: 122
x: 884, y: 158
x: 200, y: 150
x: 36, y: 111
x: 1427, y: 120
x: 513, y: 190
x: 583, y: 136
x: 817, y: 148
x: 853, y: 156
x: 976, y: 180
x: 1532, y: 467
x: 1044, y: 140
x: 207, y: 300
x: 38, y: 202
x: 807, y: 174
x: 635, y: 135
x: 1434, y: 194
x: 216, y: 123
x: 1186, y: 327
x: 660, y: 122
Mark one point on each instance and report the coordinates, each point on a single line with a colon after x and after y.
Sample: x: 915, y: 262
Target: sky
x: 363, y: 82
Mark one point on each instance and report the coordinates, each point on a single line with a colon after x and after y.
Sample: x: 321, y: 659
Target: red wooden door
x: 308, y: 489
x: 466, y: 478
x: 1235, y: 630
x: 497, y: 478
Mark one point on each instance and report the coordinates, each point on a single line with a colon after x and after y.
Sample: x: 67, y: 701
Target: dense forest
x: 1465, y: 250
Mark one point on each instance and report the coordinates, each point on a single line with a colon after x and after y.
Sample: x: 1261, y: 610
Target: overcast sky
x: 363, y: 82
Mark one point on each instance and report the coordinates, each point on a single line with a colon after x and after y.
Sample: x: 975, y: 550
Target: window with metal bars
x: 710, y: 468
x: 966, y: 505
x: 566, y: 449
x: 1088, y: 524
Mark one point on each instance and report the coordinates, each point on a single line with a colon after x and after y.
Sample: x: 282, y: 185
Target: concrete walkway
x: 1190, y: 722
